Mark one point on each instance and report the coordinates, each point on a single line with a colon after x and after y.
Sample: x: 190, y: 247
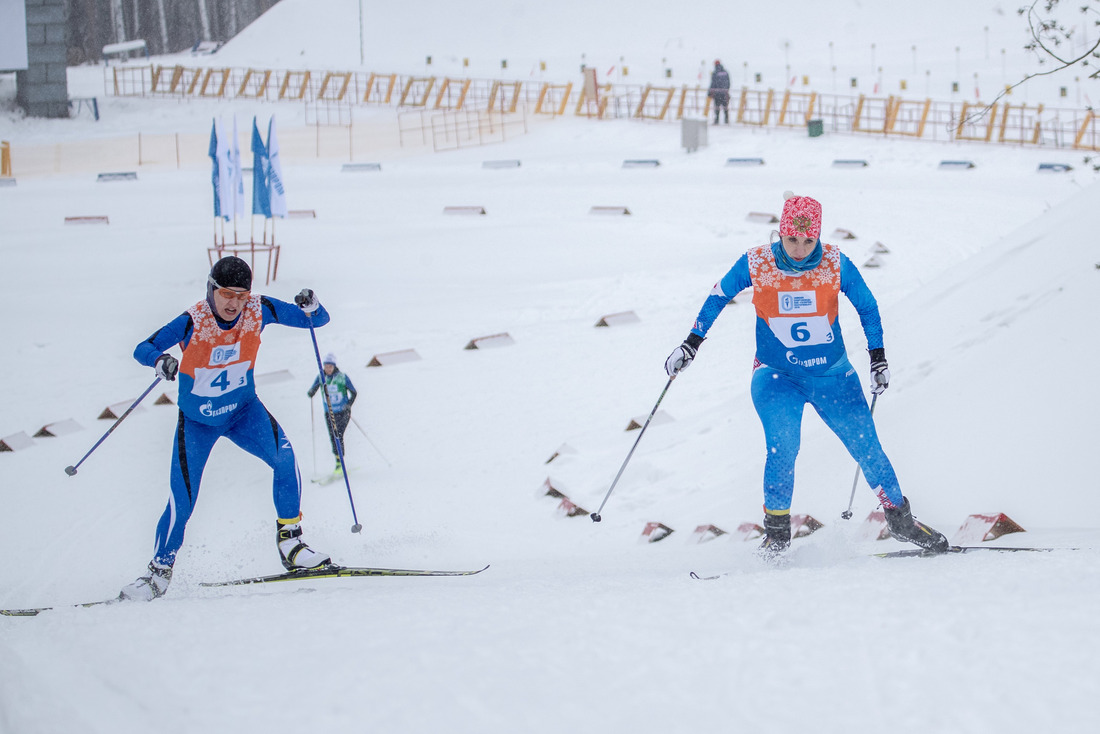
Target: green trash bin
x: 815, y: 127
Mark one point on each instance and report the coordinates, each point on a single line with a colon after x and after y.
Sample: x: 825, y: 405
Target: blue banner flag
x: 225, y: 175
x: 215, y: 177
x: 237, y: 172
x: 276, y: 188
x: 261, y: 174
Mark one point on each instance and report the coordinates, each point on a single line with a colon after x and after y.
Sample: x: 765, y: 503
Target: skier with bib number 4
x: 220, y: 339
x: 801, y: 359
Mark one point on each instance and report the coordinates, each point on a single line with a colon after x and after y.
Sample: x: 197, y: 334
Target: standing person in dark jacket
x: 720, y: 91
x: 341, y: 394
x: 220, y: 339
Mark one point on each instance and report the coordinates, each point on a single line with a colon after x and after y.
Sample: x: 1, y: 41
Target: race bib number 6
x: 213, y: 383
x: 801, y: 331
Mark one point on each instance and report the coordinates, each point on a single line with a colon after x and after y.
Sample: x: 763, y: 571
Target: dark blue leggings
x: 255, y: 431
x: 780, y: 398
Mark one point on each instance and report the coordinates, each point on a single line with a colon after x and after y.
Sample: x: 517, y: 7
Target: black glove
x: 307, y: 301
x: 880, y: 371
x: 682, y: 355
x: 166, y: 367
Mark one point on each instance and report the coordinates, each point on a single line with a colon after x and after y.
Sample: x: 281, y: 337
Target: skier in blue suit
x: 220, y: 339
x: 801, y: 359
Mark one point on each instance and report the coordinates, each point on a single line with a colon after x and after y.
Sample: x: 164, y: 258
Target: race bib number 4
x: 213, y: 383
x: 801, y: 331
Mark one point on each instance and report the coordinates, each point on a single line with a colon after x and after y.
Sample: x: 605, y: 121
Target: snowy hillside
x: 984, y: 293
x: 929, y: 44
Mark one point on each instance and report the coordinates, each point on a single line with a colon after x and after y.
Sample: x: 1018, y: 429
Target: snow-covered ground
x: 987, y: 298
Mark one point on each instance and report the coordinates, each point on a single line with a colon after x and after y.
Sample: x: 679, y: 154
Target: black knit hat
x: 231, y: 272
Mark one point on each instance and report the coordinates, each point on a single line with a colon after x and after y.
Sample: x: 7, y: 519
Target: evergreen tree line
x: 166, y: 26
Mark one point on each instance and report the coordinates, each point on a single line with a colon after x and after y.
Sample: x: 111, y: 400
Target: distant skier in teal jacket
x: 341, y: 394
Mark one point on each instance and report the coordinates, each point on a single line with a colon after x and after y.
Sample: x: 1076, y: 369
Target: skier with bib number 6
x: 801, y: 359
x: 220, y: 338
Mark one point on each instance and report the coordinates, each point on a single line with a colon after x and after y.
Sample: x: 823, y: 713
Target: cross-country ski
x: 956, y: 549
x: 35, y: 611
x: 328, y: 572
x: 332, y: 572
x: 906, y: 553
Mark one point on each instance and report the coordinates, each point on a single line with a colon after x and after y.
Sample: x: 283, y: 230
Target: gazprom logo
x: 811, y: 362
x: 208, y: 409
x: 225, y: 353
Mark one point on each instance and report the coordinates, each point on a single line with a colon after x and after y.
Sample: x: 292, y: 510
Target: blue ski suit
x: 801, y: 359
x: 217, y: 397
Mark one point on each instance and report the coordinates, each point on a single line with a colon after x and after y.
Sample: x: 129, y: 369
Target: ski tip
x: 35, y: 611
x: 23, y: 612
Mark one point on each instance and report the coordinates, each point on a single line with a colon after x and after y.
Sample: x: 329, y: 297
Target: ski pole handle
x: 71, y: 470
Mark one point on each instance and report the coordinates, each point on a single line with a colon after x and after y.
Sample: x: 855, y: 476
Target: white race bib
x: 213, y: 383
x: 801, y: 331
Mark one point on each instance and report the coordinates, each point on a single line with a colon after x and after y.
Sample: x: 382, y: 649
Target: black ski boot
x: 905, y: 528
x: 777, y: 536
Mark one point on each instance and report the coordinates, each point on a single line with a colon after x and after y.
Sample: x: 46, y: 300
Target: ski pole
x: 332, y: 422
x: 313, y: 434
x: 596, y: 515
x: 847, y: 514
x: 369, y: 441
x: 71, y: 470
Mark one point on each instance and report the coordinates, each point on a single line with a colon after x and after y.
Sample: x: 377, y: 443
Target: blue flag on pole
x: 222, y: 175
x: 261, y: 174
x: 237, y: 172
x: 276, y: 189
x: 225, y: 175
x: 215, y: 177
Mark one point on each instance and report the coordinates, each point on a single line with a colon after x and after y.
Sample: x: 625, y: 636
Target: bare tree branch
x: 1037, y: 40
